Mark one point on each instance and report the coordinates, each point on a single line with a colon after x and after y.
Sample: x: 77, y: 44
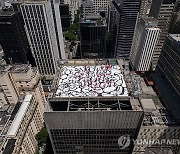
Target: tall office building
x: 127, y: 22
x: 144, y: 41
x: 101, y: 4
x: 43, y: 27
x: 88, y: 8
x: 175, y: 24
x: 13, y: 38
x: 55, y: 6
x: 161, y: 10
x: 169, y: 60
x: 144, y: 9
x: 74, y: 5
x: 112, y: 16
x: 175, y: 20
x: 93, y: 36
x: 176, y: 29
x: 65, y: 16
x: 91, y: 116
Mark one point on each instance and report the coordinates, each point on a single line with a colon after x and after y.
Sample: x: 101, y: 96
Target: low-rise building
x: 22, y: 107
x: 20, y: 126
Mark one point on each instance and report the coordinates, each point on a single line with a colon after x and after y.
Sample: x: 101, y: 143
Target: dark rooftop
x: 4, y: 118
x: 90, y: 104
x: 15, y: 110
x: 7, y: 13
x: 9, y: 146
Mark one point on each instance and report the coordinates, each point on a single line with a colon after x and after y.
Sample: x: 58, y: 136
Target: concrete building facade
x: 43, y: 27
x: 13, y: 38
x: 161, y: 10
x: 126, y: 27
x: 88, y: 8
x: 93, y: 30
x: 22, y: 107
x: 91, y: 120
x: 55, y: 6
x: 168, y: 64
x: 27, y: 80
x: 101, y: 4
x: 157, y: 126
x: 22, y: 128
x: 74, y: 5
x: 9, y: 92
x: 144, y: 41
x: 144, y: 9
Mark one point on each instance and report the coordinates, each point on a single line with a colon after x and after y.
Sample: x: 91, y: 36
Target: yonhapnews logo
x: 124, y: 141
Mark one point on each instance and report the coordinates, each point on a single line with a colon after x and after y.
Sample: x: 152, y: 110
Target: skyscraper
x: 55, y: 6
x: 91, y: 116
x: 88, y: 7
x: 93, y: 36
x: 65, y: 16
x: 161, y: 10
x: 144, y: 42
x: 169, y: 60
x: 175, y: 20
x: 144, y: 9
x: 101, y: 4
x: 43, y: 26
x: 74, y: 5
x: 13, y: 38
x: 127, y: 22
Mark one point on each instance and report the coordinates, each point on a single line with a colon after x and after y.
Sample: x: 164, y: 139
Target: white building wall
x: 144, y: 42
x: 41, y: 32
x: 144, y: 58
x: 29, y: 126
x: 59, y: 29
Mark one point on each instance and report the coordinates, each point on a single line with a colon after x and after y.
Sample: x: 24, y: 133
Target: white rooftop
x: 19, y: 116
x: 83, y: 81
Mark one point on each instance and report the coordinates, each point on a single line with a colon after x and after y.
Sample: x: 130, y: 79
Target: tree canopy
x: 42, y: 136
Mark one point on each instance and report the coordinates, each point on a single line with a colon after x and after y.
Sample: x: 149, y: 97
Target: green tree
x: 70, y: 36
x: 74, y: 27
x: 42, y: 136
